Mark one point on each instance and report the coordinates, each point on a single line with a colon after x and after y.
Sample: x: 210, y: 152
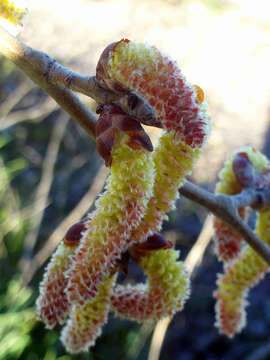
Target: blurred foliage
x: 16, y: 320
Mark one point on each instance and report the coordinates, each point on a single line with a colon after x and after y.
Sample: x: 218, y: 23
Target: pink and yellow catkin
x: 179, y: 107
x: 117, y: 213
x: 239, y: 277
x: 124, y: 215
x: 228, y: 242
x: 122, y: 205
x: 181, y: 110
x: 52, y: 304
x: 12, y: 15
x: 244, y: 271
x: 86, y: 321
x: 165, y: 292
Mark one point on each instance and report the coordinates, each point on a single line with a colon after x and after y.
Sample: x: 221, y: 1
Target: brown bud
x: 244, y: 170
x: 102, y: 76
x: 112, y: 118
x: 152, y: 243
x: 122, y: 264
x: 74, y: 234
x: 131, y: 103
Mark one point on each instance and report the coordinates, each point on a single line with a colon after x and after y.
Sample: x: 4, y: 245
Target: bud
x: 244, y: 170
x: 111, y: 120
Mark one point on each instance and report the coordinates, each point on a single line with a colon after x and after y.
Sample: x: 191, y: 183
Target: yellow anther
x: 200, y: 93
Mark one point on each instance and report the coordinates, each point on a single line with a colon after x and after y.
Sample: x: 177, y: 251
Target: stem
x: 56, y: 80
x: 225, y: 207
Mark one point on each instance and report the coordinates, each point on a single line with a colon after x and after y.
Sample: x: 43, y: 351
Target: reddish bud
x: 138, y: 108
x: 122, y: 264
x: 130, y: 102
x: 112, y: 118
x: 244, y: 170
x: 102, y: 76
x: 153, y: 242
x: 74, y: 234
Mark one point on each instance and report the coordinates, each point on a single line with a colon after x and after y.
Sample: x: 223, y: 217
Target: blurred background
x: 50, y: 172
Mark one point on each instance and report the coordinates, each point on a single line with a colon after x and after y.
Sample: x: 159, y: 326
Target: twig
x: 42, y: 191
x: 35, y: 112
x: 225, y: 207
x: 9, y: 200
x: 15, y: 97
x: 158, y: 337
x: 55, y: 79
x: 76, y: 214
x: 48, y: 74
x: 197, y: 251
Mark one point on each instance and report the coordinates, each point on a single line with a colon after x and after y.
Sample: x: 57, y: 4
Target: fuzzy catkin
x: 238, y: 278
x: 181, y: 110
x: 246, y: 268
x: 165, y: 292
x: 86, y: 321
x: 117, y: 213
x: 52, y: 305
x: 141, y: 189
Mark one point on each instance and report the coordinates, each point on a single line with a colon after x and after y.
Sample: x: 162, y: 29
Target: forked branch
x: 226, y: 208
x: 59, y: 82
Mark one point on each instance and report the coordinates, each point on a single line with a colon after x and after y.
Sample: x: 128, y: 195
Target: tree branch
x: 56, y: 80
x: 226, y: 208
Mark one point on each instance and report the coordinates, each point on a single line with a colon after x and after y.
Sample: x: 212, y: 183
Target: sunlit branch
x: 58, y: 80
x: 55, y: 79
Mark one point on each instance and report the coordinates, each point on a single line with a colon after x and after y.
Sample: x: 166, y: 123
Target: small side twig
x: 42, y: 191
x: 36, y: 112
x: 226, y: 208
x: 15, y: 97
x: 56, y: 80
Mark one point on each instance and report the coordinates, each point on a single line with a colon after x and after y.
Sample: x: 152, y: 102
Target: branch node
x: 49, y: 68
